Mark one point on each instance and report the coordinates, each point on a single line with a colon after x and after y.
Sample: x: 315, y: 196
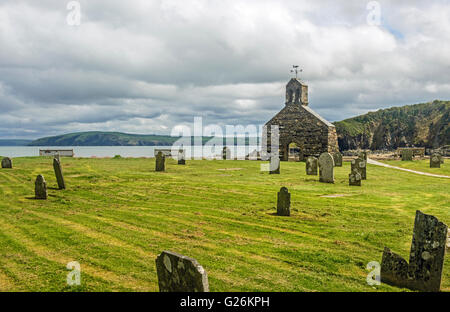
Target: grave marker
x: 6, y: 163
x: 337, y: 157
x: 426, y: 260
x: 177, y: 273
x: 435, y: 161
x: 59, y: 174
x: 311, y: 165
x: 40, y: 188
x: 284, y: 202
x: 181, y: 157
x: 160, y: 162
x: 274, y: 165
x: 354, y: 178
x: 407, y: 155
x: 360, y: 165
x: 326, y: 168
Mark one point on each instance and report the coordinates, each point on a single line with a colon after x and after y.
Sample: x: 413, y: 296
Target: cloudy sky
x: 144, y: 66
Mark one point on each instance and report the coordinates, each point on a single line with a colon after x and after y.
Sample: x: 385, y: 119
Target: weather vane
x: 296, y: 70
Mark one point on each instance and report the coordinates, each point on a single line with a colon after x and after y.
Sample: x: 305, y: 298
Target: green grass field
x: 117, y: 215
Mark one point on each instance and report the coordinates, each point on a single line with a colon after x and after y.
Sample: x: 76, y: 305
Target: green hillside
x: 14, y: 142
x: 421, y: 125
x: 97, y: 138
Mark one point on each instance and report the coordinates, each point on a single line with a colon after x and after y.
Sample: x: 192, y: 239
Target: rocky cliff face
x: 420, y: 125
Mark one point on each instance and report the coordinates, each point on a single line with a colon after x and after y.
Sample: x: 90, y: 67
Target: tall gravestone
x: 407, y: 155
x: 426, y: 260
x: 274, y: 165
x: 160, y: 162
x: 354, y: 178
x: 284, y: 202
x: 181, y: 157
x: 59, y: 174
x: 435, y: 161
x: 40, y: 188
x: 177, y: 273
x: 360, y: 165
x: 337, y: 157
x: 311, y: 165
x: 326, y: 168
x: 7, y: 163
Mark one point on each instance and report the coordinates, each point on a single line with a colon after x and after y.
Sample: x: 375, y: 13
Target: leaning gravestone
x: 435, y: 161
x: 59, y: 174
x: 274, y: 165
x: 360, y: 165
x: 311, y: 165
x: 181, y: 157
x: 40, y: 188
x: 354, y: 178
x: 7, y: 163
x: 407, y: 155
x: 160, y: 162
x: 284, y: 202
x: 177, y: 273
x: 426, y: 260
x: 337, y: 157
x: 326, y: 168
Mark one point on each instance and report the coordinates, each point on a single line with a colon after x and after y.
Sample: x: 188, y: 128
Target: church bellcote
x: 296, y: 93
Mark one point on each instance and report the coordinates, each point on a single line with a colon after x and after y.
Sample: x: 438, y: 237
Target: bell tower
x: 296, y: 93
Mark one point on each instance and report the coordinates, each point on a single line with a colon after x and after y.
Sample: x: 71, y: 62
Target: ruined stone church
x: 299, y: 124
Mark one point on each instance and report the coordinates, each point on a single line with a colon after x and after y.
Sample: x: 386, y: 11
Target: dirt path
x: 377, y: 163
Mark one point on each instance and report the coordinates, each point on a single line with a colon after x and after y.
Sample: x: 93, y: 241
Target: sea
x: 111, y: 151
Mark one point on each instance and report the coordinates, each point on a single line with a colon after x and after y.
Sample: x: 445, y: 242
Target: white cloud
x: 144, y: 66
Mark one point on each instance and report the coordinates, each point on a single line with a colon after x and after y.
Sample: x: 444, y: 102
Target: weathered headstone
x: 326, y: 168
x: 407, y: 155
x: 177, y: 273
x: 354, y: 178
x: 426, y: 260
x: 59, y: 174
x: 40, y: 188
x: 160, y: 162
x: 311, y: 165
x: 7, y: 163
x: 435, y: 161
x: 226, y: 153
x: 274, y: 165
x: 181, y: 157
x: 284, y: 202
x: 337, y: 157
x: 360, y: 165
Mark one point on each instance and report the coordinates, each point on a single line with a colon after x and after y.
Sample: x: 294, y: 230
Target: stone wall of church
x: 297, y: 125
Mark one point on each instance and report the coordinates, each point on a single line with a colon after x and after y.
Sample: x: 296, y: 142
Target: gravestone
x: 181, y: 157
x: 274, y: 165
x: 311, y: 165
x: 59, y: 174
x: 359, y: 164
x: 363, y: 155
x: 337, y: 157
x: 177, y: 273
x: 7, y: 163
x: 226, y: 153
x: 407, y: 155
x: 326, y: 168
x: 40, y: 188
x: 160, y: 162
x: 354, y: 178
x: 284, y: 202
x: 435, y: 161
x: 426, y: 260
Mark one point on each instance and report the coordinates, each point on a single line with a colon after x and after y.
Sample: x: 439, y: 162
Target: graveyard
x: 116, y: 216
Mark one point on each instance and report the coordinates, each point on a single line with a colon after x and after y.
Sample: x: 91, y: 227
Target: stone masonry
x: 299, y: 124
